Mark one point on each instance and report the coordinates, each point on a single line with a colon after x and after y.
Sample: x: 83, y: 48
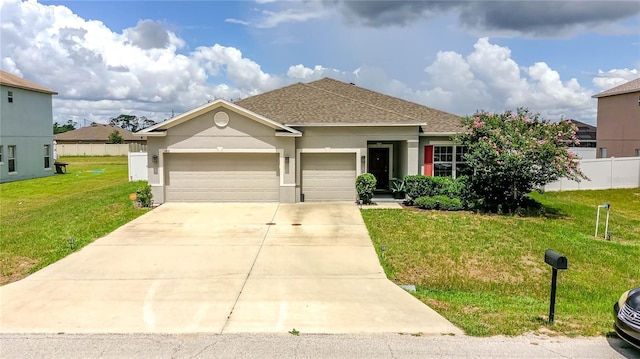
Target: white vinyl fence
x: 138, y: 166
x: 604, y: 173
x: 97, y: 149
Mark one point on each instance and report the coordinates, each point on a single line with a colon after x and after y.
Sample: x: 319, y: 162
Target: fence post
x: 611, y: 172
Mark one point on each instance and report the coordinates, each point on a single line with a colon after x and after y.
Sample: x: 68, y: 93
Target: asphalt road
x: 305, y: 346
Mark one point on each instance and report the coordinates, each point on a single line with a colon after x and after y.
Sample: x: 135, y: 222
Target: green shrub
x: 426, y: 202
x: 449, y: 204
x: 365, y: 185
x: 424, y: 186
x: 440, y: 202
x: 144, y: 196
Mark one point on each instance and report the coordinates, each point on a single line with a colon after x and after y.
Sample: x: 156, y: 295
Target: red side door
x: 428, y: 160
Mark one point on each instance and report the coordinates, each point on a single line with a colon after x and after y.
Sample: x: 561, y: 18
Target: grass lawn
x: 39, y: 215
x: 486, y: 273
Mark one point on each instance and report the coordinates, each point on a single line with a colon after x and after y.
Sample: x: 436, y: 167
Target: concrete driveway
x: 222, y: 268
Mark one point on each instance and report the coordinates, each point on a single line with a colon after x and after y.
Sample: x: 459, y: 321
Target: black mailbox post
x: 556, y: 261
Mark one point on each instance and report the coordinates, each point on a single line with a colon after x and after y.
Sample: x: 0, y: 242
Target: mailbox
x: 555, y: 259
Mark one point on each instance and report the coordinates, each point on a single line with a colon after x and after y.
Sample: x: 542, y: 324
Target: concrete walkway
x: 222, y: 268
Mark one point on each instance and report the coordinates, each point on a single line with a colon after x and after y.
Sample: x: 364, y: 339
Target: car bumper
x: 624, y: 331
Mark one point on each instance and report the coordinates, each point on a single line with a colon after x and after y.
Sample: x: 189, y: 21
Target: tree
x: 115, y: 137
x: 70, y: 126
x: 514, y: 153
x: 131, y: 123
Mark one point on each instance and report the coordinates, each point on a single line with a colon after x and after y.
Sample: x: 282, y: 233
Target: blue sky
x: 149, y: 58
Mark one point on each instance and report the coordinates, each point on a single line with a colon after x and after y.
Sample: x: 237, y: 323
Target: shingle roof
x: 331, y: 102
x: 631, y: 86
x: 585, y: 132
x: 8, y: 79
x: 95, y: 133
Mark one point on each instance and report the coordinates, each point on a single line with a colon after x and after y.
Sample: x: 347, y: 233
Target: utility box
x: 555, y: 259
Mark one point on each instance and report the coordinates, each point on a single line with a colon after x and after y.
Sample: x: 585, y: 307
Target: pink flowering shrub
x: 514, y: 153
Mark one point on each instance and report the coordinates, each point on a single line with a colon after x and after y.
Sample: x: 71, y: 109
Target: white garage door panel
x: 222, y: 177
x: 328, y: 177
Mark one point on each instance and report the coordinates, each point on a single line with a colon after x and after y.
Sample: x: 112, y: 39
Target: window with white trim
x: 443, y: 161
x: 11, y: 158
x: 448, y: 161
x: 47, y: 156
x: 1, y: 158
x: 461, y: 166
x: 10, y: 96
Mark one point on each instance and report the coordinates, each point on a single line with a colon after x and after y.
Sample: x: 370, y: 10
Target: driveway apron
x: 222, y: 268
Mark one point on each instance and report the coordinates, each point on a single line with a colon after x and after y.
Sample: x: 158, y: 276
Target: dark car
x: 627, y: 313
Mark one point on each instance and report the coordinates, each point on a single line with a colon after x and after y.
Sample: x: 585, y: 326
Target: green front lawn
x: 39, y: 215
x: 486, y: 273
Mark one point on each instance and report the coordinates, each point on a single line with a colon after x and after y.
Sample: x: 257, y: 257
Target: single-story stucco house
x: 96, y: 133
x: 302, y: 142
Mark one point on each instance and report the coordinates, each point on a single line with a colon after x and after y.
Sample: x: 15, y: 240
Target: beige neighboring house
x: 96, y: 133
x: 26, y: 119
x: 619, y: 121
x: 303, y: 142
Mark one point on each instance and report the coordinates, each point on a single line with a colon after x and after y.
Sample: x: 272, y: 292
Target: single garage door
x: 228, y: 177
x: 328, y: 176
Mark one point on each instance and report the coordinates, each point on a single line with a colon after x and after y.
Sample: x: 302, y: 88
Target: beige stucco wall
x: 619, y: 125
x: 241, y: 135
x: 357, y: 138
x: 244, y: 134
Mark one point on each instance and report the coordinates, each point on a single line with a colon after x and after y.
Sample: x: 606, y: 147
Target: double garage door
x: 254, y: 177
x: 222, y: 177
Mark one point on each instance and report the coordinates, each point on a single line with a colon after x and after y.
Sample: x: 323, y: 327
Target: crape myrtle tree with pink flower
x: 511, y: 154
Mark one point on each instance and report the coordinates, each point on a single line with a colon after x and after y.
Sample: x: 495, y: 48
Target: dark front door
x: 379, y: 166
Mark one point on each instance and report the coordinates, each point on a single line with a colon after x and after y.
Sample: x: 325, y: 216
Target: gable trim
x: 189, y: 115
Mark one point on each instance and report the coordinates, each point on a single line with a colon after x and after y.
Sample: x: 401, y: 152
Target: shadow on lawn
x: 527, y: 208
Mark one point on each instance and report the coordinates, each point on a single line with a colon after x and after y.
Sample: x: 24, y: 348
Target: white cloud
x: 489, y: 79
x: 290, y: 12
x: 615, y: 77
x: 99, y: 73
x: 306, y: 74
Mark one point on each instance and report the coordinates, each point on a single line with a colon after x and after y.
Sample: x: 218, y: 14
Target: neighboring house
x: 587, y: 136
x: 26, y: 137
x: 96, y: 133
x: 619, y: 121
x: 303, y: 142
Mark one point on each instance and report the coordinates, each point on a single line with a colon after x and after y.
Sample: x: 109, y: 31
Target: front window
x: 462, y: 169
x: 11, y: 158
x: 443, y: 161
x: 448, y: 161
x: 10, y: 96
x: 47, y: 156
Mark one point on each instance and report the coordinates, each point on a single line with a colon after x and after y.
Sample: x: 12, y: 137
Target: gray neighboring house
x: 303, y: 142
x: 26, y: 129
